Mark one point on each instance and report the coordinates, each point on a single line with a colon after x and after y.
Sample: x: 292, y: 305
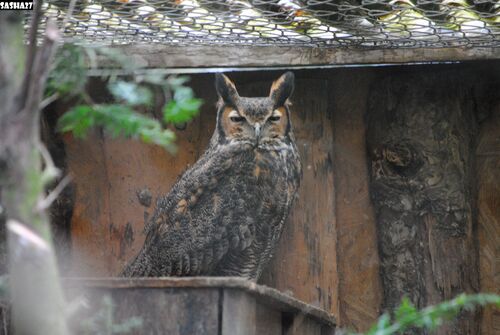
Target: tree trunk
x: 37, y: 300
x: 420, y: 139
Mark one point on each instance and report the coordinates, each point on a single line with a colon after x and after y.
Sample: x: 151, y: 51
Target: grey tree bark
x: 35, y: 290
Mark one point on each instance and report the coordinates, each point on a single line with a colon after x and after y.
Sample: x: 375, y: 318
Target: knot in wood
x: 402, y: 158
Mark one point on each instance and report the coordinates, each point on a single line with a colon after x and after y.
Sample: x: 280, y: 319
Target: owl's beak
x: 257, y: 131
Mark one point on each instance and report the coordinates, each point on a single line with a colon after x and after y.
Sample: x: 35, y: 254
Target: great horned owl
x: 225, y: 215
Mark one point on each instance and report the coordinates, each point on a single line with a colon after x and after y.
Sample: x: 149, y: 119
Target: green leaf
x: 130, y: 93
x: 181, y: 111
x: 117, y: 120
x: 78, y: 120
x: 405, y: 309
x: 183, y: 107
x: 69, y: 72
x: 407, y: 316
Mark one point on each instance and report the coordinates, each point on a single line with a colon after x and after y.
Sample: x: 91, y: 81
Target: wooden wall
x: 328, y: 255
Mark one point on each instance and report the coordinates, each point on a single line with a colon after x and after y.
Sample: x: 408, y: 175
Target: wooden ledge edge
x: 268, y: 295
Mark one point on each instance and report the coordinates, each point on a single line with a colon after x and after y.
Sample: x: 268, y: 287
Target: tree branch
x: 47, y: 201
x: 32, y: 36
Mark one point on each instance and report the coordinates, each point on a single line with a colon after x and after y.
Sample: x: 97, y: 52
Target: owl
x: 225, y: 214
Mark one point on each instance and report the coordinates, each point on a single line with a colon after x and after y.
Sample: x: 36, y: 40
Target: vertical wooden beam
x: 420, y: 139
x: 305, y: 263
x: 357, y: 255
x: 301, y: 326
x: 488, y: 178
x: 239, y: 313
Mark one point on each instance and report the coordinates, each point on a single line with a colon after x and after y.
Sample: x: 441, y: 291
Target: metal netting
x: 350, y: 23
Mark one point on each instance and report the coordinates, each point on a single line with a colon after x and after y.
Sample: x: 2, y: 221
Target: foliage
x: 103, y: 323
x: 69, y: 74
x: 407, y: 316
x: 120, y: 117
x: 118, y: 120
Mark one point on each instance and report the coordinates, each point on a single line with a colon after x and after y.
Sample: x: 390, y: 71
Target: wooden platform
x: 205, y: 306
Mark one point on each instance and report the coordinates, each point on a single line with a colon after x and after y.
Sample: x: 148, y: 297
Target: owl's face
x: 258, y: 121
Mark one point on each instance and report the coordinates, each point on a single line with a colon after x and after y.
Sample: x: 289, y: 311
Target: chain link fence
x: 326, y: 23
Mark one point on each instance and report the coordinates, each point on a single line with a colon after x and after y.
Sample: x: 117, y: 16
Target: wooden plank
x: 303, y: 326
x: 305, y: 262
x: 360, y: 292
x: 161, y: 311
x: 268, y: 321
x: 239, y: 313
x: 488, y: 176
x: 168, y: 56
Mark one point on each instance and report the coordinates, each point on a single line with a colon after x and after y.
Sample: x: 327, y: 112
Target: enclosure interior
x: 328, y: 254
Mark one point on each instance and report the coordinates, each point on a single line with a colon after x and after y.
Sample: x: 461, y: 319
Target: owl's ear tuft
x: 282, y: 89
x: 226, y: 89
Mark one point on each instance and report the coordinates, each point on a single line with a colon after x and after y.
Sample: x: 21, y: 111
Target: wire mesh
x: 326, y: 23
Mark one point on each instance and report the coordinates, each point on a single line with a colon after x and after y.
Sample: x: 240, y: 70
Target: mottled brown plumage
x: 225, y: 215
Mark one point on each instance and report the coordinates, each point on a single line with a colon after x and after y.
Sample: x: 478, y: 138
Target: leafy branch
x: 118, y: 120
x: 407, y: 316
x: 120, y: 117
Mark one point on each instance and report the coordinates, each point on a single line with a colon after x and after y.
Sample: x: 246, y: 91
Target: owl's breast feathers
x: 230, y: 205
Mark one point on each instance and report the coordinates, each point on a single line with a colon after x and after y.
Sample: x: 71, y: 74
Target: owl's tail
x: 140, y: 266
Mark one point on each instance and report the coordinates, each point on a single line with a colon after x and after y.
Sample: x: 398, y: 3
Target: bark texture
x: 35, y: 292
x: 421, y: 130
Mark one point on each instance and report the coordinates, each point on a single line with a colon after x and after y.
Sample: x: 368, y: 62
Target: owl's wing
x: 203, y: 217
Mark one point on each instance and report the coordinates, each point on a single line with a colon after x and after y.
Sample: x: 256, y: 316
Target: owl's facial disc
x: 254, y: 120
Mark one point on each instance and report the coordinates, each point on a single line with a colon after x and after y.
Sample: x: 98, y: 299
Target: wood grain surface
x: 488, y: 179
x: 360, y: 291
x: 306, y: 261
x: 168, y: 56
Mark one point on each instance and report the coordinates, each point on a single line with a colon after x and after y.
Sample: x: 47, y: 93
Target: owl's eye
x: 274, y: 118
x: 237, y: 119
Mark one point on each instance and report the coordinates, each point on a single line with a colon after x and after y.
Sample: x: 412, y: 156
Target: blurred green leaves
x: 408, y: 316
x: 121, y: 116
x: 131, y: 93
x: 69, y: 72
x: 117, y: 120
x: 183, y: 107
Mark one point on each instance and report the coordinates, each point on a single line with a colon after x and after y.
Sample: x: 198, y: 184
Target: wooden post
x: 488, y: 186
x: 420, y: 140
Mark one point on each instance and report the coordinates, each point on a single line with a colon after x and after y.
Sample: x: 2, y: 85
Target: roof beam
x: 213, y: 56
